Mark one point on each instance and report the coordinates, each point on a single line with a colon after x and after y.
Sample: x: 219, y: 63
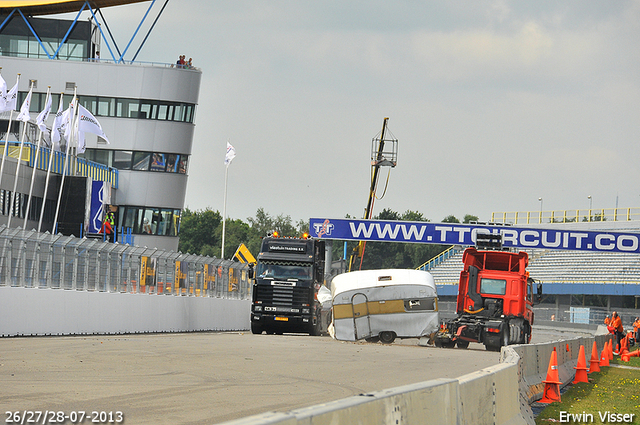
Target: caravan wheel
x: 387, y: 337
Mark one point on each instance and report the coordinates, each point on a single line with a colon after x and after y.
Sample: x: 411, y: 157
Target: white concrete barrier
x: 500, y: 395
x: 29, y: 311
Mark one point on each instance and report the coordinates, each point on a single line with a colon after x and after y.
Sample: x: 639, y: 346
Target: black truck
x: 286, y: 279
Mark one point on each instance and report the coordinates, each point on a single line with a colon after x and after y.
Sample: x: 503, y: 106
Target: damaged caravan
x: 384, y: 304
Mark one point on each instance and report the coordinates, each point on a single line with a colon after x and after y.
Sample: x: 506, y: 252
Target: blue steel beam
x: 35, y: 35
x: 100, y: 29
x: 136, y: 31
x: 7, y: 19
x: 109, y: 31
x: 149, y: 32
x: 64, y: 39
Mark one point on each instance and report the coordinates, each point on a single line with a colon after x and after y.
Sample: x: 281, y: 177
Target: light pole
x: 590, y: 205
x: 540, y: 199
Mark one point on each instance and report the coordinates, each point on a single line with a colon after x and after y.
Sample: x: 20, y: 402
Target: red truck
x: 495, y: 299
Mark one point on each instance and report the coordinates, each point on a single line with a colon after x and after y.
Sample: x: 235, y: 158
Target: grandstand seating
x: 561, y: 266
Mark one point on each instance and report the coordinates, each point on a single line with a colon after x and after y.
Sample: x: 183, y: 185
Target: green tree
x: 382, y: 255
x: 199, y: 232
x: 450, y: 219
x: 468, y: 218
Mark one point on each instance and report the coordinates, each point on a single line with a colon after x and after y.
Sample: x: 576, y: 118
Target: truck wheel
x: 387, y: 337
x: 256, y: 328
x: 504, y: 336
x: 462, y: 344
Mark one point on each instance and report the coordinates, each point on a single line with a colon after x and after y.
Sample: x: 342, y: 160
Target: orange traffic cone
x: 594, y: 363
x: 610, y: 349
x: 604, y: 356
x: 552, y: 383
x: 581, y: 368
x: 624, y: 344
x: 634, y: 353
x: 625, y: 356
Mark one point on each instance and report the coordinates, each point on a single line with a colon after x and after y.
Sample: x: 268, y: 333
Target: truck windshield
x: 288, y: 270
x: 493, y: 286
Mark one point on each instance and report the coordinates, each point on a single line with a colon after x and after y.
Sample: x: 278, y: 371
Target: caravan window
x: 420, y: 304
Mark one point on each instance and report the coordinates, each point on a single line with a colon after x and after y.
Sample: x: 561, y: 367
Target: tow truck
x: 495, y: 298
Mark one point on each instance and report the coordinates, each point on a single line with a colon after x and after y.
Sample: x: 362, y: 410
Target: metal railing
x: 41, y: 260
x: 566, y: 216
x: 440, y: 258
x: 82, y: 166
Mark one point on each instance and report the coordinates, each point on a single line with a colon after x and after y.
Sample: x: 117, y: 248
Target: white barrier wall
x: 29, y: 311
x: 499, y: 394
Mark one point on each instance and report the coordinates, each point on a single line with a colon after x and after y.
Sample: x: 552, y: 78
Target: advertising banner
x: 148, y: 271
x: 180, y: 276
x: 209, y: 277
x: 465, y: 234
x: 100, y: 195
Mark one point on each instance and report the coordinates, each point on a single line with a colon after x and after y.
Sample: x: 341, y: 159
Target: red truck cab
x: 494, y: 303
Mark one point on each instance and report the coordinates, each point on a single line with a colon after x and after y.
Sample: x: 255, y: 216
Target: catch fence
x: 31, y: 259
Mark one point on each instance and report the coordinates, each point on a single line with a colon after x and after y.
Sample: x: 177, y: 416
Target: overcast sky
x: 494, y: 103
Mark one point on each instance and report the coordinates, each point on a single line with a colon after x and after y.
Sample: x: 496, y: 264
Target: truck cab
x: 288, y: 274
x: 494, y: 303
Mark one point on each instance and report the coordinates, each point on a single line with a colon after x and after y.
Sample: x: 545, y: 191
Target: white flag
x: 231, y: 153
x: 67, y: 119
x: 57, y: 128
x: 44, y: 115
x: 3, y: 93
x: 24, y: 109
x: 87, y: 123
x: 11, y: 99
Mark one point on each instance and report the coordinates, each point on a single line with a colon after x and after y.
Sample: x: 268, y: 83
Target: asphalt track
x: 206, y: 378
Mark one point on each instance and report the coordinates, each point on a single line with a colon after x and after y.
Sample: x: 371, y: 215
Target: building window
x: 118, y: 107
x: 158, y: 162
x: 122, y: 160
x: 141, y: 161
x: 151, y: 221
x: 127, y: 108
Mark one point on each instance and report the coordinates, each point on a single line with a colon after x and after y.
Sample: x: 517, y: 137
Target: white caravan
x: 384, y: 304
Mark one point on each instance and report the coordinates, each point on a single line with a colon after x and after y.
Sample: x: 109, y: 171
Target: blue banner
x: 465, y: 234
x: 96, y: 211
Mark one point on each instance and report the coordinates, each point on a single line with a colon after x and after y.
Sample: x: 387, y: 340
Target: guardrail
x: 438, y: 259
x: 566, y: 216
x: 500, y: 394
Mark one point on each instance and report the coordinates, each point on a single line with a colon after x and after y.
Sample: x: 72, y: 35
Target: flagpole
x: 224, y: 209
x: 15, y: 180
x: 6, y: 139
x: 35, y: 161
x: 52, y: 154
x: 66, y: 160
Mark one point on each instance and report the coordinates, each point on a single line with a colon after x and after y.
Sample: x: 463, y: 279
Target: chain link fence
x: 31, y: 259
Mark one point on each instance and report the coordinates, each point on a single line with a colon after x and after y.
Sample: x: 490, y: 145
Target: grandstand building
x: 147, y: 111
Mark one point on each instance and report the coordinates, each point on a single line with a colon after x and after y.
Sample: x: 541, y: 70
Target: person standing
x: 107, y: 227
x: 616, y: 324
x: 636, y: 329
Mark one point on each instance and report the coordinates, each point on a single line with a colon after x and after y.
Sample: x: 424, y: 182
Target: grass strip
x: 613, y: 390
